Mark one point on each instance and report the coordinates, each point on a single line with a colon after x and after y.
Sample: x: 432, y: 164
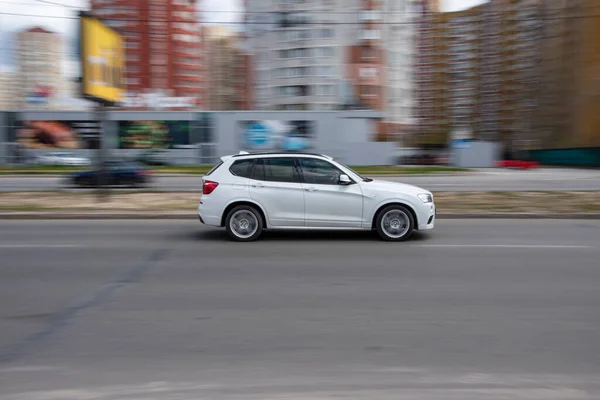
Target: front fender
x: 405, y: 200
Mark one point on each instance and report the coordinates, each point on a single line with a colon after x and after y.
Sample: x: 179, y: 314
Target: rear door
x: 275, y: 185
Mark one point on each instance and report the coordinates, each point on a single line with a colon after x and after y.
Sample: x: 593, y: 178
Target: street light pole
x: 101, y: 117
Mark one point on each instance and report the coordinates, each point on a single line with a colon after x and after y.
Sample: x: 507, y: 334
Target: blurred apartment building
x: 569, y: 103
x: 523, y: 72
x: 478, y: 72
x: 228, y: 68
x: 332, y: 54
x: 164, y: 50
x: 37, y: 79
x: 8, y: 90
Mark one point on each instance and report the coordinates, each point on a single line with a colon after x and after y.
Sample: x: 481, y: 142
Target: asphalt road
x: 477, y: 309
x: 481, y: 180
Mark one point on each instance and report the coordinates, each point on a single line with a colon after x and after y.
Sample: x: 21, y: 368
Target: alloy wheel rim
x: 395, y: 223
x: 243, y: 224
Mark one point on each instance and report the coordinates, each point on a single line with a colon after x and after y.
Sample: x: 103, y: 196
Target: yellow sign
x: 102, y: 61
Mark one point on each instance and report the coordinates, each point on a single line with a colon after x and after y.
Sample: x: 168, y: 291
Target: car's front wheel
x: 395, y: 223
x: 244, y: 223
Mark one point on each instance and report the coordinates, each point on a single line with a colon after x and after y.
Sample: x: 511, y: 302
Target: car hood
x: 395, y: 187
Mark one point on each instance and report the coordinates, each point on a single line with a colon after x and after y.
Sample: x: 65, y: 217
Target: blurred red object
x: 519, y: 164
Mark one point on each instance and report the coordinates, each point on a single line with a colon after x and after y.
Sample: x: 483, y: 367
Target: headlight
x: 425, y: 197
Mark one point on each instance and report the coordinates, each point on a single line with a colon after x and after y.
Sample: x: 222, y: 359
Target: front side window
x: 320, y: 172
x: 275, y: 170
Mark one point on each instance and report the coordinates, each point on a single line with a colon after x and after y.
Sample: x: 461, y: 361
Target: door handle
x: 258, y: 185
x: 311, y: 189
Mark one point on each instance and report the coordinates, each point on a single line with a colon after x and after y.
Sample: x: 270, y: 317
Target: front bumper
x: 427, y: 216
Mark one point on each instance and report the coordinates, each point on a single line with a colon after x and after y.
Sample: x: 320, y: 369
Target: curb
x: 185, y: 215
x: 175, y: 175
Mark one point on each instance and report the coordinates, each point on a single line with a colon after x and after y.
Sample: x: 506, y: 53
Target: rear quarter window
x: 242, y: 168
x: 213, y: 169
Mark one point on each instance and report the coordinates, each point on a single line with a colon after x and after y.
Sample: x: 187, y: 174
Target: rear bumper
x: 206, y: 217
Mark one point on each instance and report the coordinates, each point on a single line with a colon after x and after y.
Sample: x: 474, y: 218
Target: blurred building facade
x: 9, y: 88
x: 229, y: 70
x: 39, y: 69
x: 164, y: 50
x: 568, y: 114
x: 334, y: 54
x: 478, y: 72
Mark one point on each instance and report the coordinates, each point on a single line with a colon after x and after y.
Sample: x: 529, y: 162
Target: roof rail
x: 282, y: 152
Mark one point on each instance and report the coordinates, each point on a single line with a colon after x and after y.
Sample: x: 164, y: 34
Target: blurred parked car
x: 154, y: 157
x: 119, y: 173
x: 63, y: 159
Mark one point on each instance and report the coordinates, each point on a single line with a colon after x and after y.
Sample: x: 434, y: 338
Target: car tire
x: 394, y: 223
x: 244, y: 223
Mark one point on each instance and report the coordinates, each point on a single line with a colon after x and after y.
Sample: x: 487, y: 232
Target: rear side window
x: 213, y: 169
x: 275, y: 170
x: 242, y: 168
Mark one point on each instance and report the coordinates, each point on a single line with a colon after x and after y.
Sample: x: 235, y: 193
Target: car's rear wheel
x: 395, y: 223
x: 244, y: 223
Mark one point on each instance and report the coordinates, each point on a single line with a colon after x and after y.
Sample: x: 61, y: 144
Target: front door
x: 275, y: 185
x: 327, y: 202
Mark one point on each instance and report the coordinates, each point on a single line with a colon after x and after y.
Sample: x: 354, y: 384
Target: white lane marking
x: 37, y: 246
x: 511, y: 246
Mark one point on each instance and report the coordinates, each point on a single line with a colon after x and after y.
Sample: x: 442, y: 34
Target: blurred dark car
x: 154, y: 158
x: 119, y: 173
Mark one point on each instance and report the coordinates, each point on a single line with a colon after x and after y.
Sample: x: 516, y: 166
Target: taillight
x: 209, y: 186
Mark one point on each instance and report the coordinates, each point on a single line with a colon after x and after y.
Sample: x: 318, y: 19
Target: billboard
x: 102, y: 61
x: 154, y: 134
x: 276, y: 135
x: 57, y: 135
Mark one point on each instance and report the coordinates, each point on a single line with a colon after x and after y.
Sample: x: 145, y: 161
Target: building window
x: 183, y: 14
x: 293, y: 35
x: 370, y: 15
x: 398, y: 5
x: 293, y: 72
x: 326, y: 52
x: 294, y: 53
x: 370, y: 34
x: 186, y: 3
x: 368, y: 90
x: 326, y: 33
x: 158, y: 59
x: 367, y: 72
x: 368, y: 52
x: 188, y: 38
x: 326, y: 71
x: 159, y: 69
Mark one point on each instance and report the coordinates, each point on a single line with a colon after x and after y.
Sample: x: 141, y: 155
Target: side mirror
x: 345, y: 179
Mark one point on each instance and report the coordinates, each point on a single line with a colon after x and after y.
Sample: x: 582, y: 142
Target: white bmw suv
x: 247, y: 193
